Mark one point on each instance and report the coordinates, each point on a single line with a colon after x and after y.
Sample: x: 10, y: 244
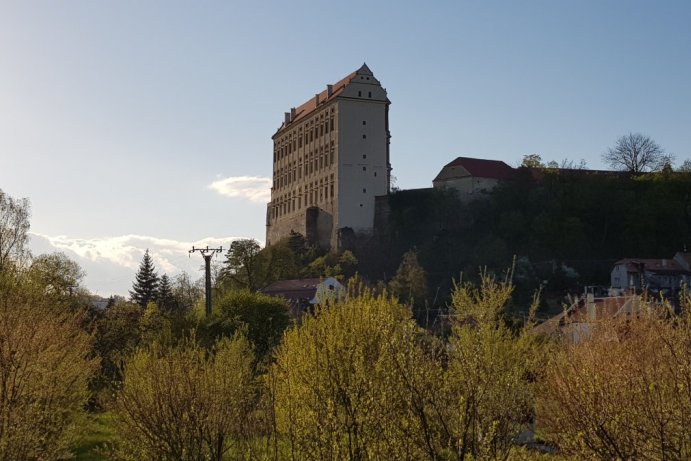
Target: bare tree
x: 14, y: 229
x: 637, y: 153
x: 685, y: 167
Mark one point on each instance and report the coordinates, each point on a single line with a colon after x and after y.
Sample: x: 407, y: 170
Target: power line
x: 207, y: 254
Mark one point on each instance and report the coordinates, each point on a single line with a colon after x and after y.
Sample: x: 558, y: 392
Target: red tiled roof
x: 478, y: 167
x: 311, y: 105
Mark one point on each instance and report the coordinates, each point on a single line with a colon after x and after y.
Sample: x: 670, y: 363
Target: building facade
x: 472, y: 178
x: 330, y: 161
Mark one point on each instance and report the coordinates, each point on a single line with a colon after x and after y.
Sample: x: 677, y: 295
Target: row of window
x: 312, y: 162
x: 314, y: 193
x: 308, y: 132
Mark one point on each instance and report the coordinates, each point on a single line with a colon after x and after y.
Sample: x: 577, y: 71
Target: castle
x: 330, y: 161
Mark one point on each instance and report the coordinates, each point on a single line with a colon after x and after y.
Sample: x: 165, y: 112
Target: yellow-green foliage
x: 44, y: 370
x: 185, y: 403
x: 349, y: 380
x: 489, y: 386
x: 622, y: 393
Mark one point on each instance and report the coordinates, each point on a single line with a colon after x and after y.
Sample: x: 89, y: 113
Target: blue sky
x: 117, y: 117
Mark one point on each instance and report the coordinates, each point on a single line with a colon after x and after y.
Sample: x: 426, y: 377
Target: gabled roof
x: 653, y: 265
x: 300, y: 288
x: 311, y: 105
x: 293, y: 289
x: 476, y: 167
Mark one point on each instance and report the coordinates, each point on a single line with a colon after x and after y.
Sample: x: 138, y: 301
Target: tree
x: 262, y: 318
x: 117, y: 334
x: 164, y: 295
x: 144, y: 288
x: 57, y: 273
x: 637, y: 153
x: 240, y: 266
x: 46, y: 363
x: 685, y: 167
x: 14, y: 229
x: 186, y: 292
x: 352, y: 383
x: 488, y: 389
x: 622, y: 391
x: 532, y: 161
x: 410, y: 281
x: 185, y: 403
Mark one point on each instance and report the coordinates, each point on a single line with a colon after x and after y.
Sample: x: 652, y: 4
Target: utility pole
x: 207, y: 253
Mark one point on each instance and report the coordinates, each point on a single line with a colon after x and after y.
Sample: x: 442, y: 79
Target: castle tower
x: 330, y: 161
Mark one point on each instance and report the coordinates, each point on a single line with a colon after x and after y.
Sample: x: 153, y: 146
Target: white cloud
x: 253, y: 188
x: 111, y: 262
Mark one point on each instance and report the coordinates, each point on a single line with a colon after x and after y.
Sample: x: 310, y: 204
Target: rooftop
x: 655, y: 265
x: 324, y: 97
x: 477, y: 167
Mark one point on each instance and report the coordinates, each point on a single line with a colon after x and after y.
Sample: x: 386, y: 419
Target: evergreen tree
x: 165, y: 293
x: 145, y: 286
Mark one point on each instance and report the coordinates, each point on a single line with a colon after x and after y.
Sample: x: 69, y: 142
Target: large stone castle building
x: 330, y: 161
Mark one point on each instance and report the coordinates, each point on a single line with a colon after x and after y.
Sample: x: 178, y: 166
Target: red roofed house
x: 653, y: 274
x: 472, y: 177
x: 302, y: 293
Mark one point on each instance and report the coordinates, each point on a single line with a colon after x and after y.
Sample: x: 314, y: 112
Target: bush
x: 488, y: 391
x: 184, y: 403
x: 44, y: 372
x: 623, y: 392
x: 262, y: 318
x: 351, y: 382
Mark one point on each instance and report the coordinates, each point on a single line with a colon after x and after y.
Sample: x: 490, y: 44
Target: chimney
x: 316, y: 98
x: 287, y: 118
x: 329, y: 90
x: 292, y: 114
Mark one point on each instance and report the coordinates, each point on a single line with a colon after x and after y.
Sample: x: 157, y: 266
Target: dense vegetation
x: 565, y: 227
x: 357, y: 379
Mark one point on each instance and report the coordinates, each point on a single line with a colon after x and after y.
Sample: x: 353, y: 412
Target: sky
x: 133, y: 125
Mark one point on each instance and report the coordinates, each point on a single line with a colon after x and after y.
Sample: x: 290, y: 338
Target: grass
x: 97, y: 431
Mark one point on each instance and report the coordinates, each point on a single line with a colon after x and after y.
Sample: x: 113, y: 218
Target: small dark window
x: 364, y: 122
x: 361, y: 205
x: 375, y: 174
x: 364, y: 136
x: 364, y: 168
x: 369, y: 94
x: 359, y: 93
x: 364, y: 191
x: 364, y: 155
